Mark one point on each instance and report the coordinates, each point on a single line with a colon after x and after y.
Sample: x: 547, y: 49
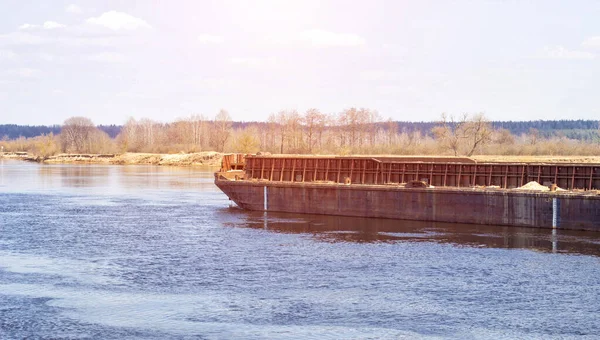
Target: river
x: 147, y: 252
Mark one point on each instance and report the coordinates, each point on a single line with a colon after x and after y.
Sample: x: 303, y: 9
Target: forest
x: 352, y: 131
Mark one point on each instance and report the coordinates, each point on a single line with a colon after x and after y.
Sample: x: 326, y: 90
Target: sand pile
x: 535, y: 186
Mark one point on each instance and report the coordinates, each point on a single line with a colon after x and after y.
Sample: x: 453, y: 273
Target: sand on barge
x: 443, y: 189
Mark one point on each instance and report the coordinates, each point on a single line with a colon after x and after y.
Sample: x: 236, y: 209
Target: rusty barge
x: 442, y: 189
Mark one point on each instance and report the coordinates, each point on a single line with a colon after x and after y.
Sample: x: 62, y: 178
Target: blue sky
x: 410, y: 60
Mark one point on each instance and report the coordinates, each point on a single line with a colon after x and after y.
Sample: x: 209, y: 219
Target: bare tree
x: 534, y: 135
x: 127, y: 139
x: 147, y: 132
x: 313, y: 122
x: 349, y: 121
x: 75, y: 134
x: 197, y: 126
x: 450, y: 133
x: 391, y: 131
x: 293, y: 124
x: 467, y: 133
x: 504, y: 137
x: 373, y: 119
x: 284, y: 121
x: 478, y: 131
x: 221, y: 130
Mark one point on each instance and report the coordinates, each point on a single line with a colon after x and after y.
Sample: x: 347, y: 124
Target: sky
x: 409, y: 60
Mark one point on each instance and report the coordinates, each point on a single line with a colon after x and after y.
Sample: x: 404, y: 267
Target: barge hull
x: 487, y: 207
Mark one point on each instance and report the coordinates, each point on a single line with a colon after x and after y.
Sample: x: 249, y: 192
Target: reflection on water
x: 18, y: 176
x: 76, y: 175
x: 350, y: 229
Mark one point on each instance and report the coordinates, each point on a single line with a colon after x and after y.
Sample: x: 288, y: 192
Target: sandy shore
x: 208, y: 158
x: 211, y: 158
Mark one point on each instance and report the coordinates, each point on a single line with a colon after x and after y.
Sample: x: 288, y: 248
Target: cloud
x: 7, y: 55
x: 559, y: 52
x: 108, y: 57
x: 210, y: 39
x: 48, y: 25
x: 73, y: 9
x: 25, y: 27
x: 119, y: 21
x: 319, y: 38
x: 591, y: 42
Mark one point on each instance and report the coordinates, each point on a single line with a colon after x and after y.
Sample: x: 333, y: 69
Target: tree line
x: 573, y: 129
x: 351, y: 131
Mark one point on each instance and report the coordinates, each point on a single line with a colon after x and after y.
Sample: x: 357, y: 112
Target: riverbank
x: 208, y: 158
x: 212, y: 158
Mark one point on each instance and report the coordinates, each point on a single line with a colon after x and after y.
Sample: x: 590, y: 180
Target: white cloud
x: 49, y: 25
x: 591, y: 42
x: 559, y: 52
x: 210, y: 39
x: 319, y: 38
x: 118, y: 21
x: 7, y: 55
x: 108, y: 57
x: 73, y: 9
x: 25, y: 27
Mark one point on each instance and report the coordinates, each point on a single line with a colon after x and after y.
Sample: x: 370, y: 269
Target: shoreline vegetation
x: 207, y: 158
x: 354, y: 131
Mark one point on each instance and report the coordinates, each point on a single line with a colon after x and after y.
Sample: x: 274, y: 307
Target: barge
x: 441, y: 189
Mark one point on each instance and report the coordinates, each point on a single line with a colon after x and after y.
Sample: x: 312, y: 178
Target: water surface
x: 146, y: 252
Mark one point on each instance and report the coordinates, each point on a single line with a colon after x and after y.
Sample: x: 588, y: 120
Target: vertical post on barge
x: 303, y: 170
x: 266, y: 200
x: 555, y: 212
